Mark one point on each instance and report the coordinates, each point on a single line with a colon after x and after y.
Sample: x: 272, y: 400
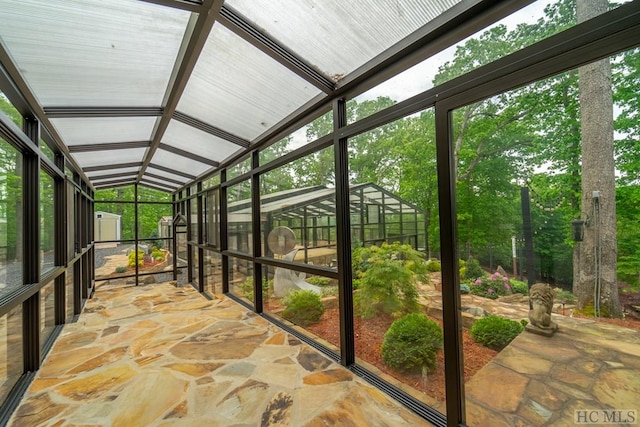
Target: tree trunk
x: 597, y: 281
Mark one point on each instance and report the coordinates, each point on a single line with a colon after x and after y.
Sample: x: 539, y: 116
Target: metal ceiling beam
x: 84, y: 112
x: 242, y: 27
x: 112, y: 166
x: 22, y: 89
x: 158, y: 184
x: 117, y: 181
x: 113, y: 175
x: 210, y: 129
x: 171, y: 171
x: 83, y: 148
x: 164, y: 178
x: 188, y: 155
x: 188, y: 5
x: 196, y: 35
x: 154, y: 187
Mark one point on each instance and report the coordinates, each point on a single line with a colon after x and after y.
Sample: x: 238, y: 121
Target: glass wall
x: 212, y: 273
x: 47, y: 223
x: 240, y: 236
x: 7, y: 108
x: 11, y: 217
x: 11, y: 351
x: 69, y: 288
x: 47, y: 312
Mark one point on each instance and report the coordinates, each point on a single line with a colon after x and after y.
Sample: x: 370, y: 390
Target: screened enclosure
x: 236, y: 142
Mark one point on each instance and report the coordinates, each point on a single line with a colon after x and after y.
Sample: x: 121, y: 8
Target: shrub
x: 464, y: 288
x: 121, y: 269
x: 328, y: 291
x: 302, y: 307
x: 433, y: 266
x: 387, y: 278
x: 492, y: 287
x: 132, y: 258
x: 473, y: 270
x: 318, y: 280
x: 495, y: 332
x: 518, y: 287
x: 564, y: 296
x: 411, y: 344
x: 157, y: 254
x: 246, y: 287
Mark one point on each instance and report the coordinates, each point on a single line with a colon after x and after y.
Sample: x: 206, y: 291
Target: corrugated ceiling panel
x: 106, y: 157
x: 179, y: 163
x: 98, y: 130
x: 203, y: 144
x: 338, y: 36
x: 238, y: 88
x: 93, y: 52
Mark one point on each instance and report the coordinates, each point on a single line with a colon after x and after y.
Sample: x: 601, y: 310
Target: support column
x: 343, y: 236
x: 255, y: 231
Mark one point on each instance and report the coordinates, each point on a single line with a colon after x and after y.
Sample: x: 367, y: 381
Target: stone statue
x: 540, y: 304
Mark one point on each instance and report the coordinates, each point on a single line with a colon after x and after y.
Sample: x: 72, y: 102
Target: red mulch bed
x: 368, y: 340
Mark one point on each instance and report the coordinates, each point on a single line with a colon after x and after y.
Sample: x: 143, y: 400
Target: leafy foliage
x: 491, y: 287
x: 318, y: 280
x: 495, y: 332
x: 433, y: 266
x: 246, y: 287
x: 302, y: 307
x: 473, y: 270
x: 412, y: 343
x: 132, y: 258
x: 518, y: 287
x: 387, y: 277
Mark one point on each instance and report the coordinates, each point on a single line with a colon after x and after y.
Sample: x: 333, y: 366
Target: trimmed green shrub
x: 302, y: 307
x: 121, y: 269
x: 464, y: 288
x: 495, y: 332
x: 412, y: 343
x: 318, y: 280
x: 157, y: 254
x: 387, y: 279
x: 132, y: 258
x: 518, y: 287
x: 433, y: 266
x: 246, y: 287
x: 473, y: 269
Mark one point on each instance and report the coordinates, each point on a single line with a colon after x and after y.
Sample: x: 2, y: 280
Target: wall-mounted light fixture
x: 577, y: 226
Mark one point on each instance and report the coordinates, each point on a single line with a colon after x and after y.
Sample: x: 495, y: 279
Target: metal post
x: 528, y: 235
x: 174, y: 240
x: 200, y: 237
x: 343, y: 236
x: 224, y: 232
x: 255, y: 232
x: 136, y: 230
x: 31, y: 247
x: 189, y: 237
x: 60, y: 252
x: 452, y: 325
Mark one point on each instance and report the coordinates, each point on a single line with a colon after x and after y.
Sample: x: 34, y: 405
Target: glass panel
x: 241, y: 278
x: 194, y: 219
x: 150, y: 218
x: 239, y: 217
x: 338, y: 37
x: 537, y: 21
x: 161, y: 183
x: 239, y: 168
x: 195, y: 141
x: 151, y: 195
x: 99, y: 130
x: 69, y: 295
x: 124, y: 194
x: 47, y: 224
x: 47, y: 311
x: 211, y: 182
x: 394, y: 290
x: 196, y: 268
x: 298, y: 210
x: 559, y: 222
x: 154, y: 257
x: 93, y: 53
x: 11, y: 218
x: 213, y: 273
x: 212, y: 218
x: 114, y: 221
x: 104, y: 157
x: 7, y: 107
x: 320, y: 127
x: 47, y: 150
x: 71, y: 220
x: 11, y: 353
x: 179, y: 163
x: 240, y: 89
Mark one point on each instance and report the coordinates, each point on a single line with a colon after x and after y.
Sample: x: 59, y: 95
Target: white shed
x: 107, y: 226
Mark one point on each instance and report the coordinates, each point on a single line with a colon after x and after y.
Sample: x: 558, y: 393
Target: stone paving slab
x: 165, y: 356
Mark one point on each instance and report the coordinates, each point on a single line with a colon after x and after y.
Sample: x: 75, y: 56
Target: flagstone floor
x: 160, y: 355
